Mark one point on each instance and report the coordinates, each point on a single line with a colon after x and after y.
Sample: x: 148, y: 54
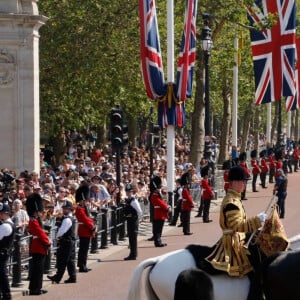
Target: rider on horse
x: 230, y: 254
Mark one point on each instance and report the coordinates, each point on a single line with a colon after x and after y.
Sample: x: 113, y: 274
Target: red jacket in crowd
x: 160, y: 207
x: 245, y: 168
x: 187, y: 200
x: 86, y: 227
x: 40, y: 241
x: 207, y: 193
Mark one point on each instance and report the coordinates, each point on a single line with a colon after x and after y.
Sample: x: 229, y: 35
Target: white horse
x: 161, y: 277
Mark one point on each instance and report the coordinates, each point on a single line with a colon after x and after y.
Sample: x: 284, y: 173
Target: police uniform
x: 281, y: 192
x: 7, y: 231
x: 65, y: 256
x: 132, y: 213
x: 86, y: 227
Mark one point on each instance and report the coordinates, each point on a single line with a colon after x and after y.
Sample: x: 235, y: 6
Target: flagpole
x: 269, y: 121
x: 235, y: 92
x: 170, y: 79
x: 288, y: 125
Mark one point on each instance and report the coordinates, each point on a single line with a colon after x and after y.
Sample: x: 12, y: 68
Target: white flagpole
x: 235, y: 91
x: 269, y: 121
x: 170, y: 78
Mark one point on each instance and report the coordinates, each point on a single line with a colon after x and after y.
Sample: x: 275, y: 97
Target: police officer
x: 133, y: 213
x: 177, y: 202
x: 65, y: 256
x: 280, y: 189
x: 7, y: 230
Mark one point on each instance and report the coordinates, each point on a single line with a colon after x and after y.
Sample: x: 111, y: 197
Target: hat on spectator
x: 4, y: 208
x: 47, y: 198
x: 237, y: 173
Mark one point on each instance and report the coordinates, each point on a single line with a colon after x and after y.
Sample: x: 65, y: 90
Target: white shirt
x: 136, y: 205
x: 65, y: 226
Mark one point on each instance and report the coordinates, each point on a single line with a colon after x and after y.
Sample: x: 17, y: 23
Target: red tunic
x: 272, y: 162
x: 245, y: 168
x: 187, y: 200
x: 263, y: 165
x: 207, y: 190
x: 40, y: 241
x: 85, y: 223
x: 255, y: 167
x: 160, y: 207
x: 226, y: 180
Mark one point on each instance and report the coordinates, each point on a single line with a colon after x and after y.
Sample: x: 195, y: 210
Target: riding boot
x: 255, y: 291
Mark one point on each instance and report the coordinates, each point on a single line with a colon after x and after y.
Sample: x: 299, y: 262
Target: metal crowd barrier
x: 110, y: 226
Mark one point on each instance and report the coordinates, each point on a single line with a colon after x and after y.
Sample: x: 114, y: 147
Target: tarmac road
x: 109, y: 279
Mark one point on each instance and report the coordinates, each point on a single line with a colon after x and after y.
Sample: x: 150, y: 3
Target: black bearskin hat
x: 155, y: 183
x: 82, y: 193
x: 34, y: 203
x: 237, y: 173
x: 185, y: 179
x: 243, y: 156
x: 253, y: 153
x: 279, y: 154
x: 270, y: 150
x: 262, y: 153
x: 227, y: 164
x: 204, y: 171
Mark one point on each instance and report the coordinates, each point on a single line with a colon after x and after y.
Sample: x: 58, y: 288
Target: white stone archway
x: 19, y: 84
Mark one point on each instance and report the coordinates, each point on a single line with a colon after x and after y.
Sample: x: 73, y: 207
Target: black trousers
x: 132, y: 231
x: 263, y: 177
x: 206, y: 206
x: 4, y: 282
x: 254, y: 178
x: 177, y: 211
x: 36, y: 272
x: 65, y: 258
x: 84, y: 244
x: 186, y: 219
x: 157, y: 231
x: 271, y: 175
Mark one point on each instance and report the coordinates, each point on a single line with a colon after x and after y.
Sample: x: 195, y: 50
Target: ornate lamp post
x: 206, y: 47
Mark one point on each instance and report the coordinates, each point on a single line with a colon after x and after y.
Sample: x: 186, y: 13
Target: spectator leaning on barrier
x: 7, y: 230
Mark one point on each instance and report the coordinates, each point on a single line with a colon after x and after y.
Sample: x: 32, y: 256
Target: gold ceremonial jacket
x: 230, y: 255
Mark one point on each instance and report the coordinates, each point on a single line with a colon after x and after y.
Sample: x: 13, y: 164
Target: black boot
x: 255, y: 291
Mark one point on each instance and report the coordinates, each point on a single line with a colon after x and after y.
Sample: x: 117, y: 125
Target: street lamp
x: 206, y: 47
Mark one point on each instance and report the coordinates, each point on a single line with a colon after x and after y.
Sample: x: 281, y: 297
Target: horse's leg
x: 193, y: 284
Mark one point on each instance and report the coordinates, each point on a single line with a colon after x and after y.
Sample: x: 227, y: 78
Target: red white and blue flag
x: 293, y: 102
x: 170, y: 98
x: 187, y: 57
x: 273, y: 50
x: 152, y: 66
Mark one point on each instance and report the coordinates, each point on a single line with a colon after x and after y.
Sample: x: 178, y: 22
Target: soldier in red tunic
x: 207, y: 194
x: 187, y: 204
x: 264, y: 168
x: 255, y: 169
x: 160, y: 210
x: 272, y: 165
x: 86, y: 226
x: 243, y: 164
x: 39, y: 245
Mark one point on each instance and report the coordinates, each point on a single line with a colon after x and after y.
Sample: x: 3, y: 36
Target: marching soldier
x: 264, y: 168
x: 7, y: 230
x: 255, y: 169
x: 133, y: 213
x: 65, y: 256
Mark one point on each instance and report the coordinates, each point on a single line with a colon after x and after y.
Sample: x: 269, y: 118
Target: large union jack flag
x: 273, y: 50
x: 187, y: 57
x: 293, y: 102
x: 152, y: 66
x: 171, y: 96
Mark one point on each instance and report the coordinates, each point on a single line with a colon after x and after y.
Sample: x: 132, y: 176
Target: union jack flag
x: 152, y: 66
x: 293, y: 102
x: 273, y: 50
x: 187, y: 57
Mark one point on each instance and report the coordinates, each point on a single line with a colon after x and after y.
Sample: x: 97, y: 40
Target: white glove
x: 262, y: 216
